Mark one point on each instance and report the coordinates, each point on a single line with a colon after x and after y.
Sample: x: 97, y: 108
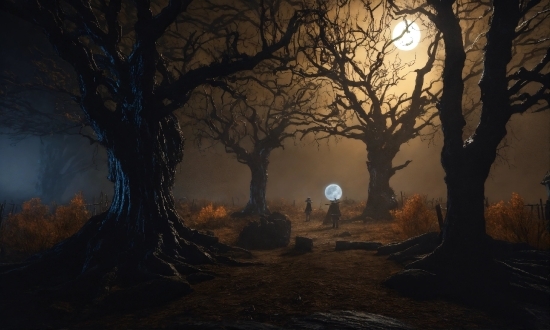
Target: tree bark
x: 381, y: 198
x: 467, y: 164
x: 142, y: 219
x: 257, y: 204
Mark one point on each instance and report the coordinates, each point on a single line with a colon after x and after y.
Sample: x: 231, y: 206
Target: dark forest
x: 275, y: 164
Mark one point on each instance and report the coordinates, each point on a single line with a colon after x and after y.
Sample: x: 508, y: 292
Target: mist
x: 303, y: 169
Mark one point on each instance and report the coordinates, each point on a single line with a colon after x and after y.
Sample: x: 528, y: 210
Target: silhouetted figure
x: 334, y: 211
x: 308, y: 208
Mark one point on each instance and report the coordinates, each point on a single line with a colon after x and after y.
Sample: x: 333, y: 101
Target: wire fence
x: 538, y: 210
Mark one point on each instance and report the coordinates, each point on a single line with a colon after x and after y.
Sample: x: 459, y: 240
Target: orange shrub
x: 415, y: 218
x: 28, y: 231
x: 511, y: 221
x: 210, y: 217
x: 69, y: 219
x: 35, y: 229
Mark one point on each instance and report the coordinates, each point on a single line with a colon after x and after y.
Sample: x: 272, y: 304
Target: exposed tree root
x: 426, y: 242
x: 501, y: 277
x: 104, y: 264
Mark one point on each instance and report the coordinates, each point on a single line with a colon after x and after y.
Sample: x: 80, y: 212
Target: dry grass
x: 208, y: 216
x: 415, y: 218
x: 511, y: 221
x: 36, y: 229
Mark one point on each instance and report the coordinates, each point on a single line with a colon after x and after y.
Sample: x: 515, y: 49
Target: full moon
x: 410, y: 38
x: 333, y: 191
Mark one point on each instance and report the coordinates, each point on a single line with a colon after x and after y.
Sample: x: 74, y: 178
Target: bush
x: 210, y: 217
x: 36, y: 229
x: 415, y: 218
x: 511, y: 221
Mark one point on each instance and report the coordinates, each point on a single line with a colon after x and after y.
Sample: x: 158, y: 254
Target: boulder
x: 268, y: 233
x: 303, y: 244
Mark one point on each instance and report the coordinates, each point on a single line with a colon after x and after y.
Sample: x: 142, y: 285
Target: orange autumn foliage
x: 415, y: 218
x: 36, y: 229
x: 511, y: 221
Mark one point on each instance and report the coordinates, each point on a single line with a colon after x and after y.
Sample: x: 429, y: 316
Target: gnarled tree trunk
x: 381, y: 198
x: 469, y: 264
x: 258, y: 163
x: 467, y: 164
x: 142, y: 219
x: 140, y: 238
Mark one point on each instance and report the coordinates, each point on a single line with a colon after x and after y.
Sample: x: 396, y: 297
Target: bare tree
x: 474, y: 18
x: 62, y: 159
x: 128, y: 92
x: 262, y: 112
x: 23, y: 116
x: 372, y: 102
x: 464, y: 263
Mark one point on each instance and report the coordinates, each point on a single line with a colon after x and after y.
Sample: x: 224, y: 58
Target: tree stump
x: 303, y: 244
x: 269, y: 233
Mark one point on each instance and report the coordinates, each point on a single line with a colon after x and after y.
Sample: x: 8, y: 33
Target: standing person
x: 335, y: 212
x: 308, y: 208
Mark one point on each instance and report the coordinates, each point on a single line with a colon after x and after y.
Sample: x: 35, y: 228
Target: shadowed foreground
x: 287, y: 289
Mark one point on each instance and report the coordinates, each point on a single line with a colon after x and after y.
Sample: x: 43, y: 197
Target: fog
x: 303, y: 169
x: 306, y: 169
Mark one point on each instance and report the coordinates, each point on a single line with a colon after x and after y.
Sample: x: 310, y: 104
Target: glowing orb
x: 410, y: 38
x: 333, y: 191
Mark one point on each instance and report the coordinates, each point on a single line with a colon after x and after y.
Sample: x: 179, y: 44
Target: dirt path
x: 287, y: 285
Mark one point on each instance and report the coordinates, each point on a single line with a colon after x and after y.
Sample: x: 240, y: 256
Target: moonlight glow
x: 410, y: 39
x: 333, y: 191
